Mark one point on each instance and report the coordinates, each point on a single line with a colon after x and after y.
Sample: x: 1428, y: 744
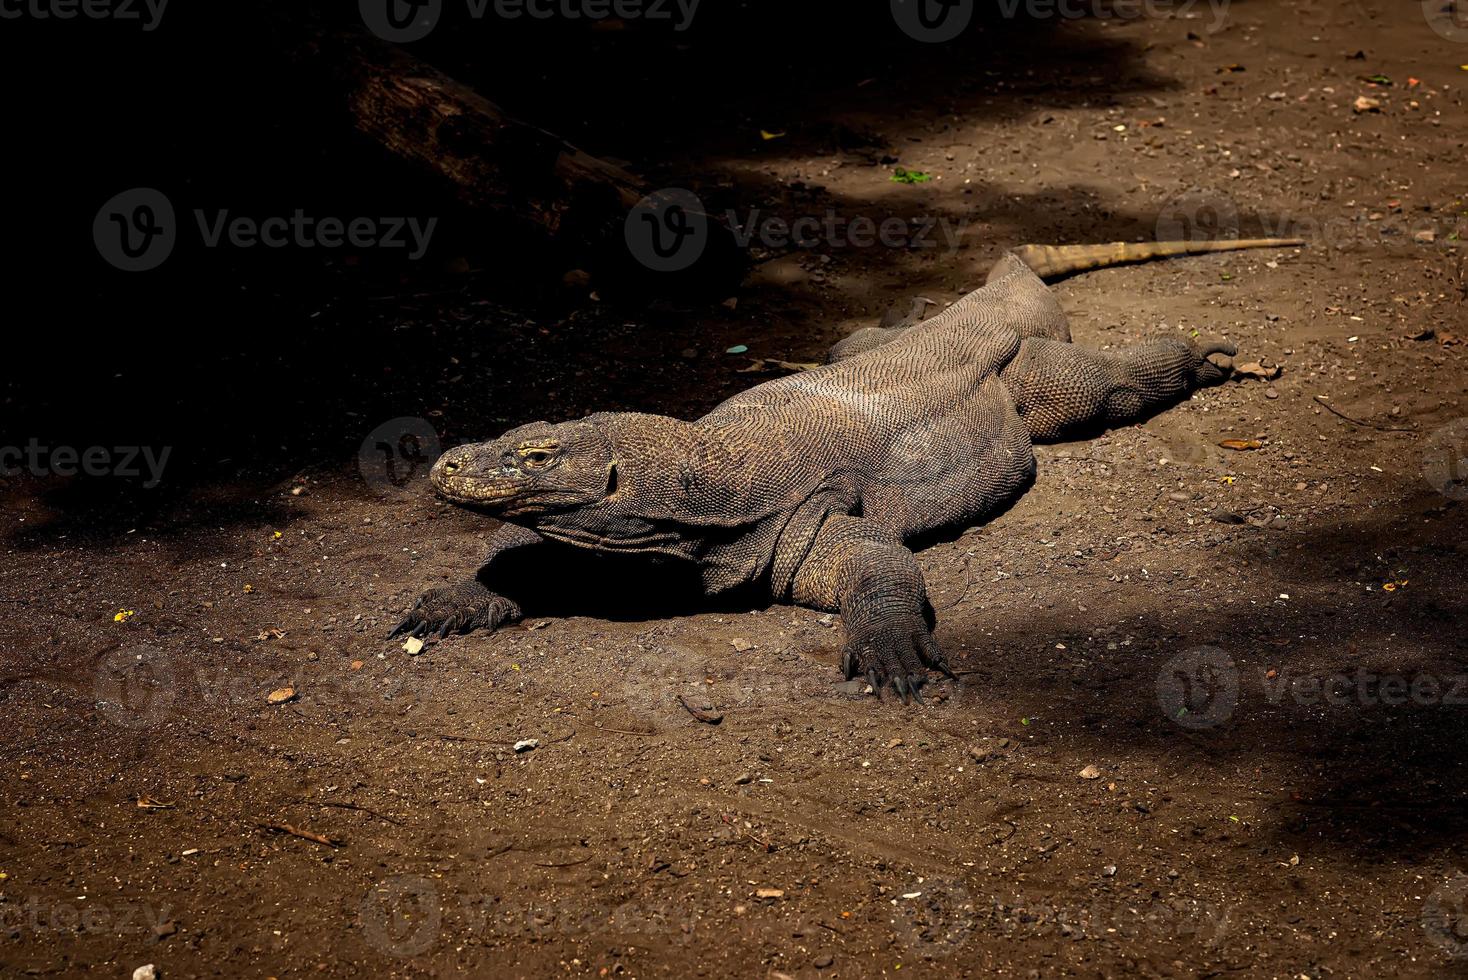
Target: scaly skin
x: 808, y: 488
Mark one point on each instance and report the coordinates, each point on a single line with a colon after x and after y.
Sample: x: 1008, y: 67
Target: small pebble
x: 527, y: 744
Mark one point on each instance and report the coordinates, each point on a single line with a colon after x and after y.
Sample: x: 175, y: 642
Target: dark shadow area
x: 258, y: 361
x: 1324, y: 686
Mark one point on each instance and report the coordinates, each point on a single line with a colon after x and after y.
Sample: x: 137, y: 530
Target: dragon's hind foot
x: 460, y: 608
x: 895, y: 654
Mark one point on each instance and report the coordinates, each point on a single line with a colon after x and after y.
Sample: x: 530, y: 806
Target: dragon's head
x: 536, y: 469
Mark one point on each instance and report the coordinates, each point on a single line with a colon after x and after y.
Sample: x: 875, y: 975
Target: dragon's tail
x: 1054, y: 261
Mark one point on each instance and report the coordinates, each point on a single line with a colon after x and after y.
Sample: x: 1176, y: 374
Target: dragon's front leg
x: 864, y: 572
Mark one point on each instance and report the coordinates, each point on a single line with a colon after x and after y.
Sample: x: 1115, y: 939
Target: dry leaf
x: 148, y: 803
x: 281, y: 695
x: 1254, y: 369
x: 1241, y: 444
x: 769, y: 893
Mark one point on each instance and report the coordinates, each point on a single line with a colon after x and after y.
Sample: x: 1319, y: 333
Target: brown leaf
x: 146, y: 802
x: 1254, y: 369
x: 1241, y: 445
x: 281, y: 695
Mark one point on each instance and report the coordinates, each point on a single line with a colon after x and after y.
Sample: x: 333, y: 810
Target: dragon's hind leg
x: 1063, y: 391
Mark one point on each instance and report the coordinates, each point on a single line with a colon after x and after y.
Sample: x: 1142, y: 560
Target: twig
x: 623, y: 731
x: 468, y: 738
x: 562, y: 864
x: 356, y: 806
x: 1369, y: 425
x: 310, y: 835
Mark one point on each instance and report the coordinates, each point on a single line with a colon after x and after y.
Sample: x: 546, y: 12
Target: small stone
x: 149, y: 972
x: 1227, y: 517
x: 1090, y: 772
x: 743, y: 779
x: 527, y: 745
x: 741, y: 644
x: 165, y: 929
x: 313, y: 656
x: 823, y: 961
x: 413, y: 646
x: 1179, y: 496
x: 1271, y: 393
x: 1425, y: 237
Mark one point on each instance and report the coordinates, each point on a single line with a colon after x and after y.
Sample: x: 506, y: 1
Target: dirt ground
x: 1213, y: 701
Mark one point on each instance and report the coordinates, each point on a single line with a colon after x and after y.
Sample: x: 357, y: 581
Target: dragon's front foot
x: 898, y: 652
x: 1206, y: 370
x: 460, y: 608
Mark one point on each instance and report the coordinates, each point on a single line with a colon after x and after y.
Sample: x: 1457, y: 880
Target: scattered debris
x: 766, y: 364
x: 704, y: 715
x: 301, y: 832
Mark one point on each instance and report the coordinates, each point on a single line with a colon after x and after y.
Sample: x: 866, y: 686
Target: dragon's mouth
x: 480, y: 490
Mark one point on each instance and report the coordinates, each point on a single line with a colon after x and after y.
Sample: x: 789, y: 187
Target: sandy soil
x: 1213, y: 701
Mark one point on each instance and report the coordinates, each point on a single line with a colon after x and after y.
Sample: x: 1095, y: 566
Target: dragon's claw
x: 459, y: 608
x: 895, y: 657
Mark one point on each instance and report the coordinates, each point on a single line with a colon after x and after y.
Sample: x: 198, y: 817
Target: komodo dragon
x: 808, y: 488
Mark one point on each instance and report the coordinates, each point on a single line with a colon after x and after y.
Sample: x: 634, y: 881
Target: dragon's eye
x: 536, y: 457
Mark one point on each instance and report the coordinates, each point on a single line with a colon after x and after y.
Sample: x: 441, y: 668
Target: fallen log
x: 491, y: 160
